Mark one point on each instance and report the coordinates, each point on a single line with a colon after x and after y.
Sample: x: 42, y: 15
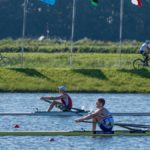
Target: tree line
x: 96, y: 23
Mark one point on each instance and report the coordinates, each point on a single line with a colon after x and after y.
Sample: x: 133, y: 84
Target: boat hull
x: 44, y: 113
x: 71, y: 133
x: 60, y: 113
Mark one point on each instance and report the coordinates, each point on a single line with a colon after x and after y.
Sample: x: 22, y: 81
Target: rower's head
x: 62, y: 89
x: 147, y: 41
x: 100, y: 102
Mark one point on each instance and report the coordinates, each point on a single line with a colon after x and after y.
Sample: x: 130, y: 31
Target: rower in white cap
x: 63, y: 102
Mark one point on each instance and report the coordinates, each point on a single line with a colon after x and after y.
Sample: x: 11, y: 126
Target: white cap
x: 62, y: 88
x: 147, y: 41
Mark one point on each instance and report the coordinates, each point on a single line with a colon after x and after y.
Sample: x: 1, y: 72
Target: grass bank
x: 61, y: 60
x: 58, y: 45
x: 76, y: 80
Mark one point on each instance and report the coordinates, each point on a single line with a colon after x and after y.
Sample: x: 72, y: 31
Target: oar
x: 133, y: 125
x: 77, y: 109
x: 88, y: 122
x: 80, y: 110
x: 131, y: 129
x: 125, y: 125
x: 48, y: 101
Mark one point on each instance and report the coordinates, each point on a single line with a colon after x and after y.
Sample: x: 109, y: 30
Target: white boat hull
x: 44, y: 113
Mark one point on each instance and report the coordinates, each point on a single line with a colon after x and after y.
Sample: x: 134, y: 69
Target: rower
x: 63, y: 102
x: 101, y: 116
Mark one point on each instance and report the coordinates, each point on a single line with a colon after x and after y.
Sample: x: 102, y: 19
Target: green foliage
x: 58, y: 45
x: 101, y: 22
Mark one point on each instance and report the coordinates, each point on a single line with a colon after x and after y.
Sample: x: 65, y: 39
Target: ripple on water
x: 74, y: 143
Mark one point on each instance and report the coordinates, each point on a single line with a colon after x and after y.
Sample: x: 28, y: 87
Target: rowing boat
x: 61, y: 113
x: 45, y: 113
x: 73, y: 133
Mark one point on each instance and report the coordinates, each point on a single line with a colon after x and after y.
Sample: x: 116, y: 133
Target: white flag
x: 137, y: 2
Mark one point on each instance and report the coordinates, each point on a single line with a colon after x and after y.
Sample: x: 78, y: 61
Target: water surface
x: 21, y: 102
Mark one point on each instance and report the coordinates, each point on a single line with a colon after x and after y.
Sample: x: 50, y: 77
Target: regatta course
x: 74, y: 75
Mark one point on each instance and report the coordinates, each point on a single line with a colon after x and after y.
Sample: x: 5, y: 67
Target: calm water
x: 18, y: 102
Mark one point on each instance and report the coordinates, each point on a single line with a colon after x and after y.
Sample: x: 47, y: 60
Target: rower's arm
x: 90, y: 116
x: 52, y: 98
x: 57, y: 98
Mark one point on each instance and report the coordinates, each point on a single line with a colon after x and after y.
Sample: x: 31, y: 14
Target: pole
x: 72, y: 29
x: 23, y: 30
x: 121, y: 29
x: 47, y: 31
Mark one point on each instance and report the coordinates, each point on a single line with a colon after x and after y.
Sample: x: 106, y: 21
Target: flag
x: 94, y: 2
x: 49, y: 2
x: 137, y: 2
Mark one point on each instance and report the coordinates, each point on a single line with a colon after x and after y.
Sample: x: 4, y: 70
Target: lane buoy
x: 16, y: 126
x: 51, y: 139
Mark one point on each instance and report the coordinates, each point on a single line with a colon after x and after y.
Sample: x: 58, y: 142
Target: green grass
x: 90, y: 72
x: 58, y: 45
x: 62, y: 60
x: 76, y: 80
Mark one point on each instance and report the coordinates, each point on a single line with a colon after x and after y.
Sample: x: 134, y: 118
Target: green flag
x: 94, y: 2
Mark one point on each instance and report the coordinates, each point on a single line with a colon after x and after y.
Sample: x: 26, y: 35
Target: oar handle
x: 46, y: 100
x: 85, y: 121
x: 124, y: 125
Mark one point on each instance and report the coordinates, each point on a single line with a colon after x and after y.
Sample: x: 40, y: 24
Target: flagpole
x: 120, y: 30
x: 23, y: 31
x: 72, y: 29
